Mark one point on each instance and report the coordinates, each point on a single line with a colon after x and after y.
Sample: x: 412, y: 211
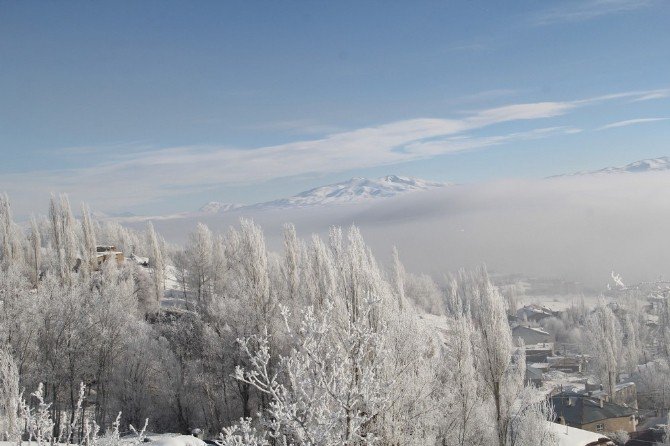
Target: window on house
x: 600, y: 427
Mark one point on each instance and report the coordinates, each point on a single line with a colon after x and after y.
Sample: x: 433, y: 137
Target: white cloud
x: 628, y: 122
x: 578, y: 11
x: 463, y: 143
x: 142, y: 176
x: 654, y: 94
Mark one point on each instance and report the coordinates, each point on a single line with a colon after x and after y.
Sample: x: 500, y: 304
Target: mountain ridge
x: 354, y: 190
x: 641, y: 166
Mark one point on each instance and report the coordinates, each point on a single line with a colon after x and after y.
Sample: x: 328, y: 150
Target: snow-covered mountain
x: 214, y: 206
x: 648, y: 165
x: 355, y: 190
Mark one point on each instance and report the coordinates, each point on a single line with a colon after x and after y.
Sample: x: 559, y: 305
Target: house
x: 533, y: 313
x: 567, y: 364
x: 541, y: 366
x: 625, y: 394
x: 571, y: 436
x: 539, y: 352
x: 142, y: 261
x: 107, y: 252
x: 592, y: 414
x: 530, y: 335
x: 533, y: 376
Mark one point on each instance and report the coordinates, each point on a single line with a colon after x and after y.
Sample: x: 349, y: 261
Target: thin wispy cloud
x: 138, y: 177
x: 579, y: 11
x: 654, y: 94
x: 465, y: 143
x: 298, y: 127
x: 630, y: 122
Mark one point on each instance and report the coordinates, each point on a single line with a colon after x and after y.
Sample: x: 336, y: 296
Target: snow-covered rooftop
x: 571, y: 436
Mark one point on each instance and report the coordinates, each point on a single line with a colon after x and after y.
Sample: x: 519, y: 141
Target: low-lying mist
x: 576, y: 228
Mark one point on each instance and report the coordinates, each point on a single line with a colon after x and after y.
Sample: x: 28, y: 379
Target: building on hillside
x: 625, y: 394
x: 142, y: 261
x: 530, y: 335
x: 567, y: 364
x: 592, y: 414
x: 533, y: 313
x: 533, y: 376
x: 107, y: 252
x: 539, y: 352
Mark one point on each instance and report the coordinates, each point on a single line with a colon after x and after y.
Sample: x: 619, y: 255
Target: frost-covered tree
x: 331, y: 391
x: 631, y: 345
x: 604, y: 340
x: 465, y: 403
x: 528, y: 422
x: 199, y: 252
x: 156, y: 262
x: 425, y: 293
x: 63, y: 236
x: 219, y: 264
x: 250, y: 274
x: 319, y: 274
x: 398, y: 277
x: 35, y: 239
x: 6, y: 232
x: 501, y: 366
x: 292, y: 252
x: 89, y: 250
x: 69, y: 233
x: 11, y: 243
x: 9, y: 396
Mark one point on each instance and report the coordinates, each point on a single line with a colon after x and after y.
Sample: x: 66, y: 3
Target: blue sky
x: 161, y: 106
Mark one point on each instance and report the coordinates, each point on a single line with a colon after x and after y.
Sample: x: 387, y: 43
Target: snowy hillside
x: 648, y: 165
x: 354, y: 190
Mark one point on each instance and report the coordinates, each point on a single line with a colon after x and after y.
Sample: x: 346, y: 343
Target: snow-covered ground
x: 173, y: 440
x: 149, y: 439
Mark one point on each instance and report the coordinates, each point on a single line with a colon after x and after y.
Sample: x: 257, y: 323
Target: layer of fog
x: 574, y: 228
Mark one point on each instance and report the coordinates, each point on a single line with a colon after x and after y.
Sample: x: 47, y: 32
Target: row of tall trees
x: 318, y: 344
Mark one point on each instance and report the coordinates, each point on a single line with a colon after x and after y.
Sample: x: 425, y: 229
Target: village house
x: 592, y: 414
x: 567, y: 364
x: 530, y: 335
x: 533, y: 313
x: 142, y: 261
x: 625, y: 394
x: 533, y: 376
x: 539, y: 352
x: 107, y: 252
